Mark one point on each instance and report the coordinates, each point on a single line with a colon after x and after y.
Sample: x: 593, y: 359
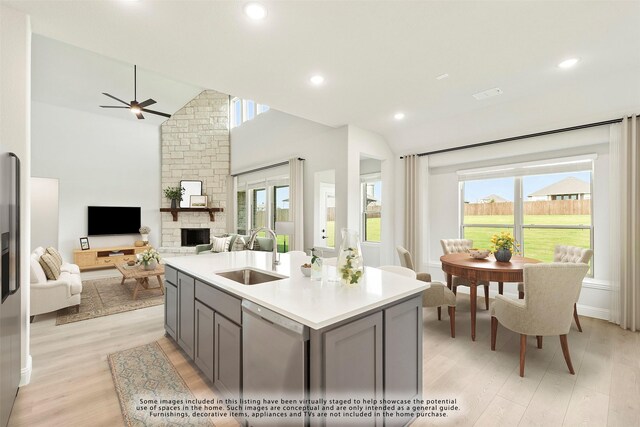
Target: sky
x: 476, y: 190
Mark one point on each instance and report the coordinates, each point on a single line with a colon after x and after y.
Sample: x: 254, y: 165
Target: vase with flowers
x: 503, y: 246
x: 149, y: 259
x: 144, y: 232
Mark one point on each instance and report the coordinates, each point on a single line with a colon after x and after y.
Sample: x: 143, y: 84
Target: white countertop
x: 316, y: 304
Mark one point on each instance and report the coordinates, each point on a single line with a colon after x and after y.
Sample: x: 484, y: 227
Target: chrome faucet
x: 254, y: 234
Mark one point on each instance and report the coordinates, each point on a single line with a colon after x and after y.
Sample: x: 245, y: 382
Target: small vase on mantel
x: 503, y: 255
x: 350, y: 261
x: 174, y: 204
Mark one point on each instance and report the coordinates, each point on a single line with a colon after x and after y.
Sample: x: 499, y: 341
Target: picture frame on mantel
x: 191, y: 188
x: 198, y: 201
x: 84, y: 243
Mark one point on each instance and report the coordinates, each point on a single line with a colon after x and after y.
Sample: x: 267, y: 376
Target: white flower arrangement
x: 149, y: 255
x: 144, y: 230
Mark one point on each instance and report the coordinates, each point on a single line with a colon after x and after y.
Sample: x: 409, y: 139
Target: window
x: 541, y: 210
x: 242, y: 110
x: 281, y: 213
x: 242, y: 212
x: 259, y: 208
x: 371, y: 210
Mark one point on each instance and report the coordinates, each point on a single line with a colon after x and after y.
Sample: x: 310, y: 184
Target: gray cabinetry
x: 227, y: 356
x: 186, y: 295
x: 403, y: 354
x: 204, y: 345
x: 353, y: 362
x: 170, y: 309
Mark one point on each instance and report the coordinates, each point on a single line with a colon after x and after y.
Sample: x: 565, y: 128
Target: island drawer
x: 171, y: 274
x: 221, y: 302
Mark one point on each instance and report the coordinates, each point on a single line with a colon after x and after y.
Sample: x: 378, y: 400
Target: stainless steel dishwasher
x: 275, y: 361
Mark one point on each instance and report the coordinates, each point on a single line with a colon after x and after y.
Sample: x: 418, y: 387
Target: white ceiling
x: 71, y: 77
x: 379, y: 57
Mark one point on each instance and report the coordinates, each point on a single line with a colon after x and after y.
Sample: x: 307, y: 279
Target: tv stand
x: 92, y: 259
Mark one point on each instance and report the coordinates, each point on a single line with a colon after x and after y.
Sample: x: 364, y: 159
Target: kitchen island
x: 281, y: 335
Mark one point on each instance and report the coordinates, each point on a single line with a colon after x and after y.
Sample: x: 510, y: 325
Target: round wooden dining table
x: 487, y: 270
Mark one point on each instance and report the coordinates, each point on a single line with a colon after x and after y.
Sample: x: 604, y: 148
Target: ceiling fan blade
x: 156, y: 113
x: 139, y: 115
x: 146, y: 103
x: 117, y: 99
x: 112, y: 106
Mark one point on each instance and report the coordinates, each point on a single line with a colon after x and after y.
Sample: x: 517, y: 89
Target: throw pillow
x: 220, y: 244
x: 50, y: 267
x: 55, y: 254
x: 238, y: 244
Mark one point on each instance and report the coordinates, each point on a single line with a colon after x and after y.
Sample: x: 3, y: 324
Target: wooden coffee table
x: 142, y: 276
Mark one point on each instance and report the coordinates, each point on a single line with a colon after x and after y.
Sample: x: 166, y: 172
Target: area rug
x: 102, y: 297
x: 144, y: 375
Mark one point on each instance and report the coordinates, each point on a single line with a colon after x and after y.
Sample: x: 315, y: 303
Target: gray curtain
x: 624, y: 251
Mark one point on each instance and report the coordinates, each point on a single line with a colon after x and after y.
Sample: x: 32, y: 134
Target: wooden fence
x: 539, y: 207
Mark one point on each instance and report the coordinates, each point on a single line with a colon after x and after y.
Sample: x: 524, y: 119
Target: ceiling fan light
x: 136, y: 110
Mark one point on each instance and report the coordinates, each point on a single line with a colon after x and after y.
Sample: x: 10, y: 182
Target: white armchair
x: 547, y: 308
x: 454, y: 246
x: 572, y: 254
x: 52, y: 295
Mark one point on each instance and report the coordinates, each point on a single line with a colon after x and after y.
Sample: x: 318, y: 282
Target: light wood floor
x: 71, y: 382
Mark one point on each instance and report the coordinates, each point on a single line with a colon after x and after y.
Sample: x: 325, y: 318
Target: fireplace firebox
x: 194, y: 236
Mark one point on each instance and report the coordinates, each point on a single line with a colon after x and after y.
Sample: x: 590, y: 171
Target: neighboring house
x: 570, y: 188
x: 492, y: 198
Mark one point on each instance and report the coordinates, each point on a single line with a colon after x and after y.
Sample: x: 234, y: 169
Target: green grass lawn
x: 538, y: 243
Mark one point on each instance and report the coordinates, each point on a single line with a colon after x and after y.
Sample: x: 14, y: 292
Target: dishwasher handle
x: 277, y: 319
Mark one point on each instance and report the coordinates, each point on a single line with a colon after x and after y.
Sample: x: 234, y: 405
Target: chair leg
x: 439, y: 313
x: 452, y: 321
x: 494, y: 332
x: 539, y: 339
x: 523, y: 350
x: 575, y: 316
x: 520, y: 295
x: 565, y: 352
x: 486, y: 296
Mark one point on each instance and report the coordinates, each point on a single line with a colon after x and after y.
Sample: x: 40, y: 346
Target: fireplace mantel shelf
x: 174, y: 212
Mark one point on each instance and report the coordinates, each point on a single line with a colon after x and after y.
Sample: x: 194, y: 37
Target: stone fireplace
x: 195, y: 146
x: 194, y: 236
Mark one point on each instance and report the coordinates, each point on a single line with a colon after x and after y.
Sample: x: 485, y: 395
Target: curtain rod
x: 515, y: 138
x: 264, y: 167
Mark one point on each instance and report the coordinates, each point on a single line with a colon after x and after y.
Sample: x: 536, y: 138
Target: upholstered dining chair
x: 547, y: 307
x: 437, y: 295
x: 406, y: 260
x: 573, y: 254
x: 454, y: 246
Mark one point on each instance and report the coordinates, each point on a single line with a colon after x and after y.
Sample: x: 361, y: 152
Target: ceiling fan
x: 134, y: 106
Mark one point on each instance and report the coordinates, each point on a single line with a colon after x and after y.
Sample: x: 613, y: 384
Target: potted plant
x: 503, y: 245
x: 174, y: 194
x: 149, y: 259
x: 144, y: 232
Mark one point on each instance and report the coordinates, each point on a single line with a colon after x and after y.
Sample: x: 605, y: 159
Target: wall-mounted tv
x: 106, y: 220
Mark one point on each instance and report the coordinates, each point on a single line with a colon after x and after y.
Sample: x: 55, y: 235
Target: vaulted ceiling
x: 380, y: 57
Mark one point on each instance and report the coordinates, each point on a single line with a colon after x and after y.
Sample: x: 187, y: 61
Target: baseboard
x: 595, y: 312
x: 25, y: 373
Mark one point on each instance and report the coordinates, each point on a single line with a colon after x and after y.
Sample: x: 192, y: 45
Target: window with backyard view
x: 540, y: 210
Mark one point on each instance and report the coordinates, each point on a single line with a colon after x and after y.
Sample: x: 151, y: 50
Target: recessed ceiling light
x: 398, y: 116
x: 442, y: 76
x: 255, y: 11
x: 568, y: 63
x: 317, y: 80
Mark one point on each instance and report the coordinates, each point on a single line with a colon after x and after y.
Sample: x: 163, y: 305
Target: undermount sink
x: 250, y: 276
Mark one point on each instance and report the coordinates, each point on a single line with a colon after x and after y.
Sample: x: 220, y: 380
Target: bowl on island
x: 479, y: 253
x: 306, y: 269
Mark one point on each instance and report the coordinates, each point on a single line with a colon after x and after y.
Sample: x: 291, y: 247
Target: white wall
x: 363, y: 143
x: 15, y: 87
x: 443, y: 201
x: 99, y: 161
x: 274, y: 136
x: 44, y: 212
